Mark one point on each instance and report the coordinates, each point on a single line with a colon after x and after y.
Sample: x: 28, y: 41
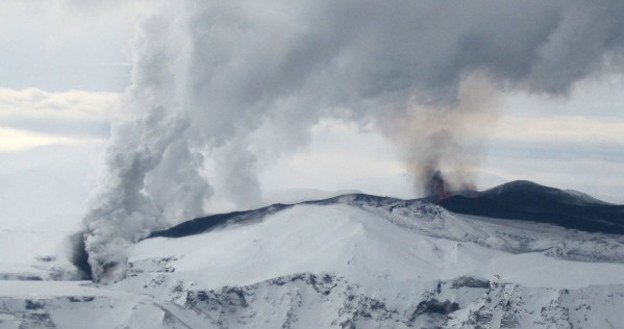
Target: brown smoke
x: 442, y: 143
x: 436, y: 186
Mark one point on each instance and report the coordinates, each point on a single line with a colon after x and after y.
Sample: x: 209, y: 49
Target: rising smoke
x: 209, y: 75
x: 441, y: 143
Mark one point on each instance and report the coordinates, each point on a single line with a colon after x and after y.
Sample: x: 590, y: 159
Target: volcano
x: 518, y: 200
x: 515, y: 256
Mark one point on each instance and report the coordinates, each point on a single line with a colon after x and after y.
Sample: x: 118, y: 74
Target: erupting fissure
x: 437, y: 186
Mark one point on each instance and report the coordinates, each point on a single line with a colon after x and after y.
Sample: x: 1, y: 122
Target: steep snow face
x: 370, y: 243
x: 349, y: 262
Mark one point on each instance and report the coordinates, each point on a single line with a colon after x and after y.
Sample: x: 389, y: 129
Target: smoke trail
x: 210, y: 75
x: 442, y: 144
x: 152, y: 170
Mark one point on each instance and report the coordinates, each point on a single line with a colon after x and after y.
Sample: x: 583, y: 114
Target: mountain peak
x: 527, y: 200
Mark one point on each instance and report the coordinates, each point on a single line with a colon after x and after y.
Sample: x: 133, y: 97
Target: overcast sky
x: 65, y: 66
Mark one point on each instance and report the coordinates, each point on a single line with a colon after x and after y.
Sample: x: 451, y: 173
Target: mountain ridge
x: 353, y: 261
x: 519, y: 200
x: 529, y: 201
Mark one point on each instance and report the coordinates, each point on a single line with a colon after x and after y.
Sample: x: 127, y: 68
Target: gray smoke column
x: 153, y: 168
x: 209, y: 77
x: 441, y: 143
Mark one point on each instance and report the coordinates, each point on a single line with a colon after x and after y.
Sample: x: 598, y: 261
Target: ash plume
x: 209, y: 77
x: 442, y: 144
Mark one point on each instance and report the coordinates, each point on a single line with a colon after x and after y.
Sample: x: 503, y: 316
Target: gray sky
x: 65, y: 65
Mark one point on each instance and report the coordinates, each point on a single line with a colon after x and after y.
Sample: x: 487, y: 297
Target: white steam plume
x: 152, y: 167
x: 208, y: 75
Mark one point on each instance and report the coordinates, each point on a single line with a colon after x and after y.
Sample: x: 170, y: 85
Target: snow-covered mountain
x: 530, y: 201
x: 354, y: 261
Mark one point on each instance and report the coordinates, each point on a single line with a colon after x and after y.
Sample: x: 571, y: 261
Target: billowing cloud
x: 209, y: 75
x: 60, y: 45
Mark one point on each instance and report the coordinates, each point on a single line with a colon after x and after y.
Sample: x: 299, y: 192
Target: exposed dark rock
x: 470, y: 282
x: 435, y: 306
x: 79, y: 255
x: 529, y: 201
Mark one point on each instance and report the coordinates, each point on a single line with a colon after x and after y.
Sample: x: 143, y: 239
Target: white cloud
x: 33, y: 117
x: 558, y: 129
x: 12, y: 140
x: 72, y: 104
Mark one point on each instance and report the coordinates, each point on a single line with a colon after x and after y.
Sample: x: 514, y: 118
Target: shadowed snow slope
x: 419, y: 241
x: 529, y: 201
x: 518, y: 200
x: 354, y: 261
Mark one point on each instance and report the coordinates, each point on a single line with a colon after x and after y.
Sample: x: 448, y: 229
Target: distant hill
x: 525, y: 200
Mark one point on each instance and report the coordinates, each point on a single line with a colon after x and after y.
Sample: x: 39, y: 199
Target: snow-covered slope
x: 354, y: 261
x: 366, y: 243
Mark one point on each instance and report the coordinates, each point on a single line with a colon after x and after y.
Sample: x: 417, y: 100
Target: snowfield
x: 349, y: 262
x: 363, y: 245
